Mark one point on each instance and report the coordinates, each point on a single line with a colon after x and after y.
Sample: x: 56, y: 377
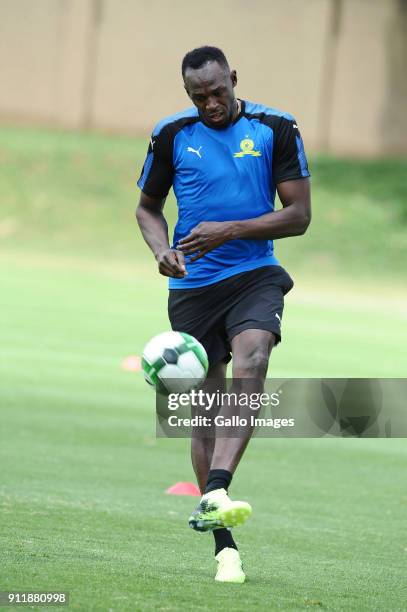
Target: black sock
x: 223, y: 539
x: 218, y: 479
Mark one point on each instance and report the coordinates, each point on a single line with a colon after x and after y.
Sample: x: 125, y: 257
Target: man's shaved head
x: 201, y: 55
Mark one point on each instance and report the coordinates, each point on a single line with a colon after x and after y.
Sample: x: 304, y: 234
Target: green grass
x: 70, y: 192
x: 82, y: 503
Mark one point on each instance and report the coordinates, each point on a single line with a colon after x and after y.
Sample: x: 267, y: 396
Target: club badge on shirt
x: 247, y: 146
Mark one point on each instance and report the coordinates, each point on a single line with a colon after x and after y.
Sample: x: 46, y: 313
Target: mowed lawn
x: 83, y: 507
x: 82, y: 489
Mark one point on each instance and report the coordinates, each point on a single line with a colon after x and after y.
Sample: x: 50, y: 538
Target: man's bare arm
x: 154, y: 229
x: 292, y: 220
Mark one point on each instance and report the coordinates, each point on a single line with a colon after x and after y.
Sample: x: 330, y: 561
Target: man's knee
x: 251, y: 350
x: 253, y: 364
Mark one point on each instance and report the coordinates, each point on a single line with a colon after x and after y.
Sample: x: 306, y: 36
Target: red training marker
x: 132, y: 363
x: 184, y: 488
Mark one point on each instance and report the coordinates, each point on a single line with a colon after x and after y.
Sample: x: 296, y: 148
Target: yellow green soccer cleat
x: 217, y: 510
x: 229, y: 567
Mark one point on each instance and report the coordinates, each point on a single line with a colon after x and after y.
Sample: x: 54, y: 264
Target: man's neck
x: 238, y: 108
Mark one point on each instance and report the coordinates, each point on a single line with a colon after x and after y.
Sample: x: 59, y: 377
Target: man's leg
x: 251, y: 351
x: 202, y: 448
x: 202, y: 451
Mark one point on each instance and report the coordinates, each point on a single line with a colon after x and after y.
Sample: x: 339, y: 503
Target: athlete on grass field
x: 225, y: 158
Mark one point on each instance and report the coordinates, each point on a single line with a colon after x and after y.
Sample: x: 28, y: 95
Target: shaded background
x: 338, y: 65
x: 82, y: 476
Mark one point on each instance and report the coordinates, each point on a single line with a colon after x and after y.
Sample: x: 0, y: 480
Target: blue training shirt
x: 224, y: 174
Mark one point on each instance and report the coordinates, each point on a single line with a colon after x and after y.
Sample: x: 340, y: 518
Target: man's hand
x: 205, y: 237
x: 154, y: 228
x: 171, y: 263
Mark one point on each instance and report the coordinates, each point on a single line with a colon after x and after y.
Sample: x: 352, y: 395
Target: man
x: 225, y: 158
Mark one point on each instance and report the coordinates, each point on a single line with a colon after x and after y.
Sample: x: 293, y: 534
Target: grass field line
x: 364, y: 294
x: 366, y: 300
x: 49, y: 502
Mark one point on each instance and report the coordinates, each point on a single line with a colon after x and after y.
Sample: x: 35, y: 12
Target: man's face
x: 211, y: 90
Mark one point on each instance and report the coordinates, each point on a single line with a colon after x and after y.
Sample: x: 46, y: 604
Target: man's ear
x: 233, y: 77
x: 186, y: 89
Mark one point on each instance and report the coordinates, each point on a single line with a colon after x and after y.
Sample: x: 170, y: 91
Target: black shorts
x: 214, y: 314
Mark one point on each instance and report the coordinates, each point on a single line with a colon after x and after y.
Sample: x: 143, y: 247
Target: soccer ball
x: 174, y: 362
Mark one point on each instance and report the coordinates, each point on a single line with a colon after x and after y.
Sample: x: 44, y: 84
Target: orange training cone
x: 184, y: 488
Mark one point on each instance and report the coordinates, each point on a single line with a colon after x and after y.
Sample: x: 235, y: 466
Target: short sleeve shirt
x: 223, y: 175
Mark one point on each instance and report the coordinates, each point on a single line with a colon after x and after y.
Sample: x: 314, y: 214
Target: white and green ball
x: 174, y: 362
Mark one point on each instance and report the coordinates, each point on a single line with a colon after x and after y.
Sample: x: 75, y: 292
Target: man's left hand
x: 205, y: 237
